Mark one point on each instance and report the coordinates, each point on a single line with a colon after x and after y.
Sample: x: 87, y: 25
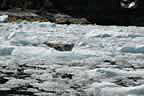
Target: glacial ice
x: 105, y: 60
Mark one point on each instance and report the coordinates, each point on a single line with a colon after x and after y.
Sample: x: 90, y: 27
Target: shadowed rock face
x: 25, y: 4
x: 121, y: 12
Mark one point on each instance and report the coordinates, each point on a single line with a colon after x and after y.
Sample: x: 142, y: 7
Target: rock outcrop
x: 47, y: 59
x: 121, y: 12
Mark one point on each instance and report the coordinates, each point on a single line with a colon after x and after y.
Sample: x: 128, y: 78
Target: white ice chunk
x: 3, y: 18
x: 6, y: 50
x: 133, y: 49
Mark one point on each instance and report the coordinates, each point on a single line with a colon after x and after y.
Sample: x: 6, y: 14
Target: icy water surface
x: 47, y: 59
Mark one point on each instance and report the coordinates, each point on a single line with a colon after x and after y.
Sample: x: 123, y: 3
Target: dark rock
x: 111, y: 62
x: 71, y: 21
x: 129, y: 81
x: 3, y: 80
x: 16, y: 93
x: 106, y: 12
x: 60, y: 47
x: 69, y: 76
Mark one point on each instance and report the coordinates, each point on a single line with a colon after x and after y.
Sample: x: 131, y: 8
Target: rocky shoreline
x: 30, y: 16
x: 102, y: 12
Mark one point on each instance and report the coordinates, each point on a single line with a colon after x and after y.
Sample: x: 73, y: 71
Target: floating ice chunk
x: 29, y: 51
x: 128, y: 49
x: 123, y: 91
x: 133, y: 49
x: 102, y: 33
x: 103, y: 84
x: 24, y: 38
x: 135, y: 35
x: 4, y: 50
x: 110, y: 72
x: 11, y: 35
x: 95, y: 88
x: 22, y: 42
x: 3, y: 18
x: 97, y: 33
x: 48, y: 53
x: 103, y: 89
x: 48, y: 25
x: 136, y: 91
